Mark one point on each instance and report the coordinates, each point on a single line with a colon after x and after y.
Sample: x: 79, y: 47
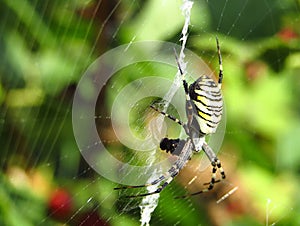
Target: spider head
x: 168, y: 145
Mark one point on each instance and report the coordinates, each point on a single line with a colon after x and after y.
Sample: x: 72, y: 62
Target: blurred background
x: 45, y: 48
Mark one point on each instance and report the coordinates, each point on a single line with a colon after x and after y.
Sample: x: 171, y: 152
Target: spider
x: 204, y: 106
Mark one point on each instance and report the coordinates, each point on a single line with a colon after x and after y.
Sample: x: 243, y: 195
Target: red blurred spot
x: 286, y: 34
x: 91, y: 218
x: 60, y: 205
x: 235, y: 208
x: 254, y: 70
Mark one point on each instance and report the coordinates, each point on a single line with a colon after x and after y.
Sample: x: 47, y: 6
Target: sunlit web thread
x: 98, y: 117
x: 197, y: 95
x: 227, y: 195
x: 101, y: 117
x: 269, y: 212
x: 147, y: 210
x: 24, y: 128
x: 125, y: 15
x: 75, y: 197
x: 103, y: 23
x: 237, y: 18
x: 61, y: 104
x: 222, y: 15
x: 59, y: 107
x: 77, y: 212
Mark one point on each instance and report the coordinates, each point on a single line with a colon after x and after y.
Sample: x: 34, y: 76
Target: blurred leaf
x: 32, y: 20
x: 288, y: 154
x: 24, y: 97
x: 55, y: 70
x: 245, y: 19
x: 271, y: 196
x: 184, y: 211
x: 293, y: 61
x: 266, y: 106
x: 19, y: 206
x: 157, y: 21
x: 2, y: 94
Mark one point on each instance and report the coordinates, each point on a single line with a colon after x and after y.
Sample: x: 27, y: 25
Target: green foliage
x: 19, y: 206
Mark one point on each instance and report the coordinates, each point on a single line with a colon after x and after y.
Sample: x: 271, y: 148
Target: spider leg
x: 167, y: 115
x: 216, y: 165
x: 158, y: 190
x: 192, y: 122
x: 220, y: 64
x: 172, y: 172
x: 167, y: 177
x: 189, y: 106
x: 185, y: 126
x: 215, y: 162
x: 195, y: 133
x: 193, y: 127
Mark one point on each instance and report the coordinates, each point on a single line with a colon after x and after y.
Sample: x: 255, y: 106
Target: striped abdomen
x: 208, y: 101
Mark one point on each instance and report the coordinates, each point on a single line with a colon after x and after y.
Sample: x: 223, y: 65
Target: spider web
x: 47, y: 47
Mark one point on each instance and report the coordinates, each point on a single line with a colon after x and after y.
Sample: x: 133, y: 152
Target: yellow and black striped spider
x: 204, y: 106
